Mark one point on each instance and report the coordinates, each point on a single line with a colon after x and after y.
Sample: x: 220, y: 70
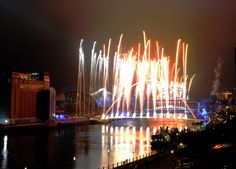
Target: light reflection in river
x: 4, y: 153
x: 122, y: 143
x: 125, y: 142
x: 80, y: 147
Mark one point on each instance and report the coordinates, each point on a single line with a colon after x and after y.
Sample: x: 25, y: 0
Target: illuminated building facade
x: 26, y: 97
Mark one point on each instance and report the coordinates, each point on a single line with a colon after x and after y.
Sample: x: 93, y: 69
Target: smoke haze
x: 217, y: 72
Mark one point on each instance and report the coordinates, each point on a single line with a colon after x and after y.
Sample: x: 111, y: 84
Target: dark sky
x: 43, y: 35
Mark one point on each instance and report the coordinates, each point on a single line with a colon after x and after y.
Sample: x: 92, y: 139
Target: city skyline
x: 40, y: 36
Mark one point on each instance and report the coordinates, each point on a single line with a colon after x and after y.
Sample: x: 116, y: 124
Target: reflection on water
x: 124, y: 140
x: 80, y: 147
x: 4, y: 153
x: 121, y: 143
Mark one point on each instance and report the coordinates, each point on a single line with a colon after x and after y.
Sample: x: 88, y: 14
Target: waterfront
x: 85, y: 146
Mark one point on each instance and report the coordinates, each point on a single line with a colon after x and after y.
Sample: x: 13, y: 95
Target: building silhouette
x: 67, y: 99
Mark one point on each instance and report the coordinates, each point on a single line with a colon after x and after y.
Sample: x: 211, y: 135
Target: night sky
x: 44, y: 35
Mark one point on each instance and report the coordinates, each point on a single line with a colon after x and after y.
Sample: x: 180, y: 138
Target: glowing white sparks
x: 141, y: 84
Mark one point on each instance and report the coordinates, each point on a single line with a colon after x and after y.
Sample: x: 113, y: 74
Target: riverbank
x: 147, y: 161
x: 46, y: 125
x: 66, y: 123
x: 23, y: 128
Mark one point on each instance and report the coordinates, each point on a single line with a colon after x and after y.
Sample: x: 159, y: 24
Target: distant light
x: 60, y: 116
x: 180, y: 144
x: 25, y: 168
x: 217, y: 147
x: 172, y: 151
x: 74, y: 158
x: 6, y: 121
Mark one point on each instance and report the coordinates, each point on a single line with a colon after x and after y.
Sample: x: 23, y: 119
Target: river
x: 80, y: 147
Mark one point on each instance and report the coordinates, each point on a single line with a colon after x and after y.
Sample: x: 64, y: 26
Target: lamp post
x: 133, y: 152
x: 74, y: 158
x: 108, y: 155
x: 172, y: 158
x: 133, y: 156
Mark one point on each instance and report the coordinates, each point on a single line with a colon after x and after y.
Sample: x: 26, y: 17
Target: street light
x: 133, y: 151
x: 108, y: 151
x: 172, y: 158
x: 74, y: 158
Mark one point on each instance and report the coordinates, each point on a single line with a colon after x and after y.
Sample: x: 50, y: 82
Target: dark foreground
x: 211, y: 148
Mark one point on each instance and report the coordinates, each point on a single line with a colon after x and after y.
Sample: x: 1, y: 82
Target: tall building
x: 25, y: 97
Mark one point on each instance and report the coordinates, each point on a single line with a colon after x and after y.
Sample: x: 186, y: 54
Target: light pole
x: 74, y: 158
x: 133, y: 156
x: 172, y: 158
x: 108, y: 155
x: 133, y: 152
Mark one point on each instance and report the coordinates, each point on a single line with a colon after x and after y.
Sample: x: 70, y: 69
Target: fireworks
x: 142, y: 84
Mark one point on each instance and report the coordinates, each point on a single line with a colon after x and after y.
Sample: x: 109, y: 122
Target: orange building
x: 30, y: 97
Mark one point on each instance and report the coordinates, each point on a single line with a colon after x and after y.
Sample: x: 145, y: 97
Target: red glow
x: 217, y: 147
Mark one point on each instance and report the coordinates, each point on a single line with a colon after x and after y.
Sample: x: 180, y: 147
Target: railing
x: 129, y: 161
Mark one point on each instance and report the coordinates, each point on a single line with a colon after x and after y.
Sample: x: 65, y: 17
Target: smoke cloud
x: 217, y: 72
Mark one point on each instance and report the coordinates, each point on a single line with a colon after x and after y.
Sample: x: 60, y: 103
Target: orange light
x: 217, y: 147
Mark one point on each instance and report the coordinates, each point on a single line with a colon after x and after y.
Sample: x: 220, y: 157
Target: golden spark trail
x: 141, y: 84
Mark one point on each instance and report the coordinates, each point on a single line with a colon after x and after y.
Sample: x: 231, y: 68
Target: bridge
x: 181, y: 110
